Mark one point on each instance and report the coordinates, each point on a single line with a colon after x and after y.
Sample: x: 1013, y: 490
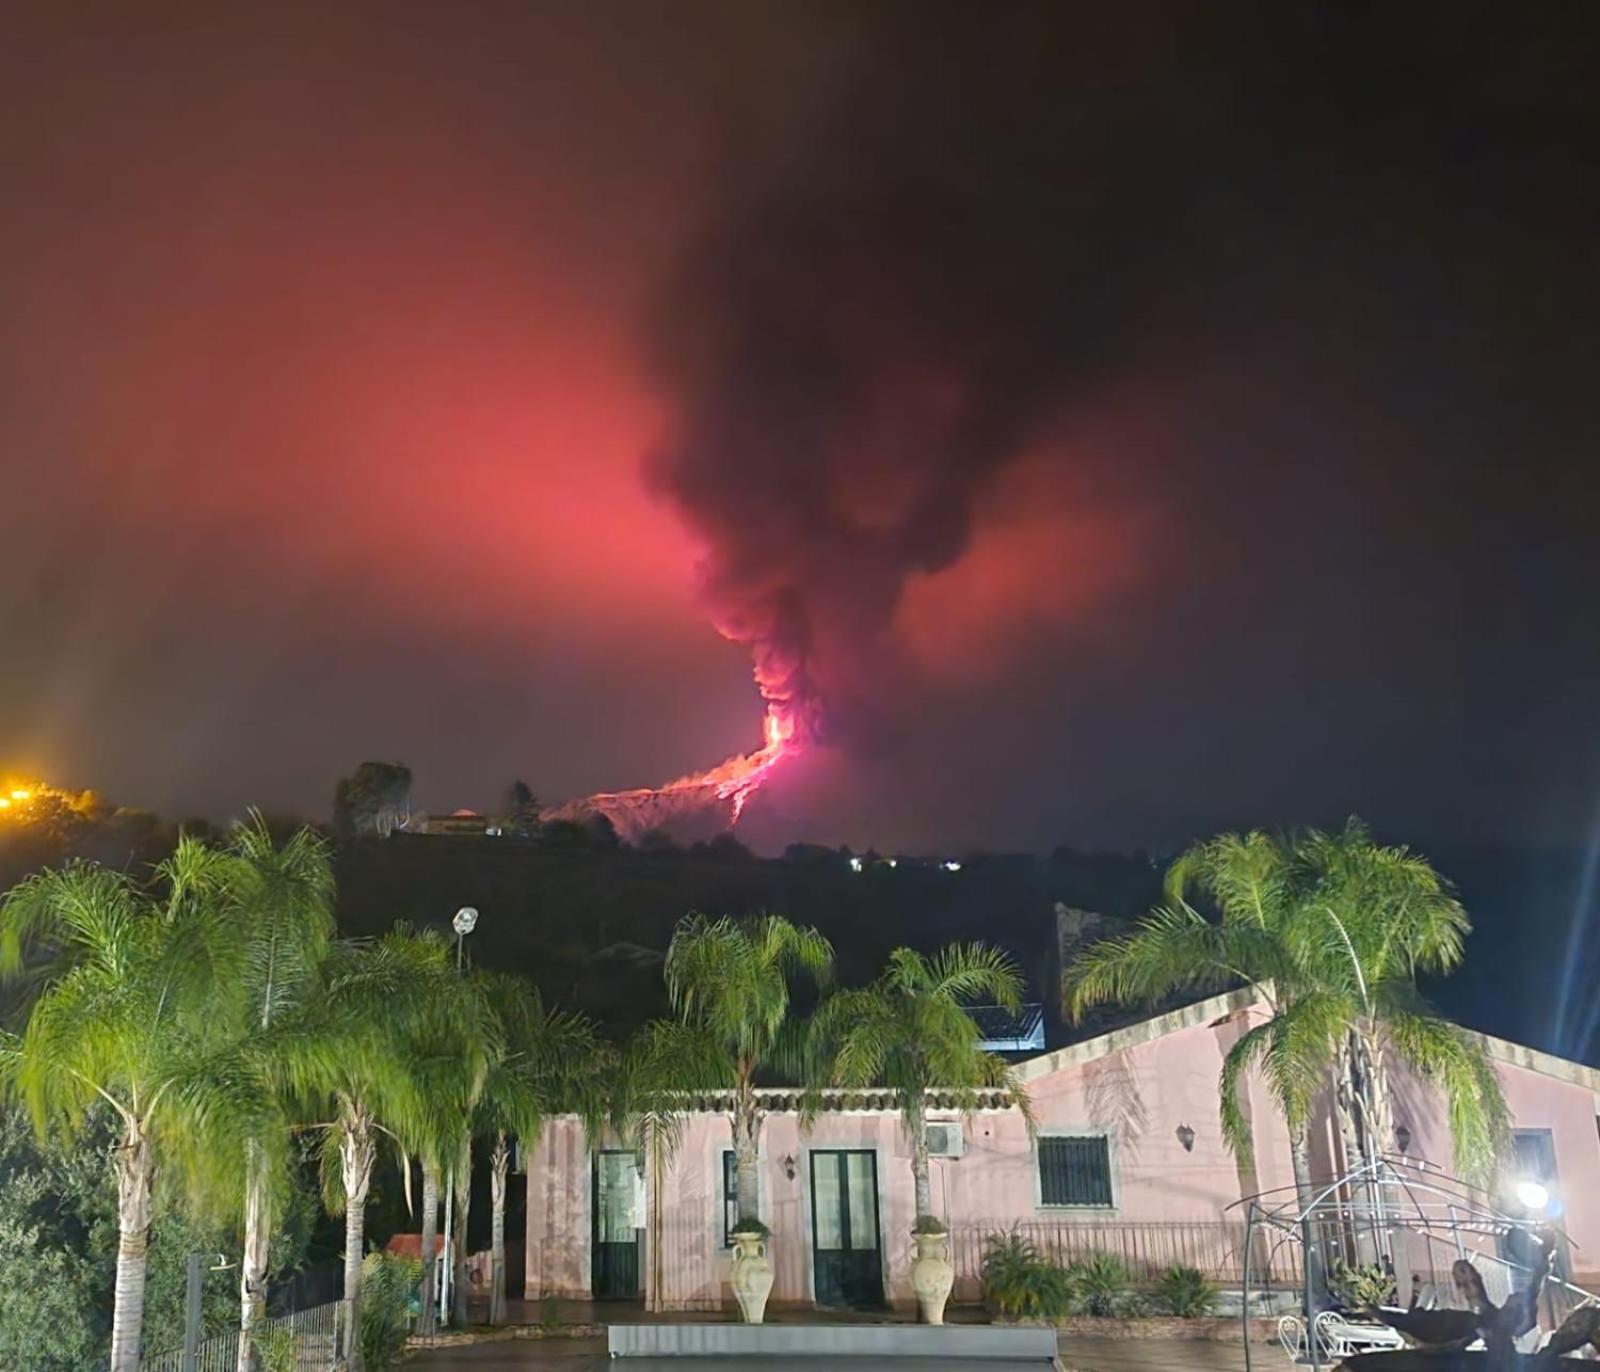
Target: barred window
x: 1075, y: 1171
x: 730, y: 1195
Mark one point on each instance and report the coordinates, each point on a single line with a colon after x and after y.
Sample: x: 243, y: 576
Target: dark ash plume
x: 889, y: 292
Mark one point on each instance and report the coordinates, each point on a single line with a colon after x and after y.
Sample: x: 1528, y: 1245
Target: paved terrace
x: 587, y: 1353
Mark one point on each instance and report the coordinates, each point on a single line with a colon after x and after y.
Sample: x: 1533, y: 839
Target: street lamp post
x: 465, y: 921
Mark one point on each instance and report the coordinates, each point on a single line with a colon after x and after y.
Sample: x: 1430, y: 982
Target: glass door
x: 618, y: 1212
x: 844, y: 1228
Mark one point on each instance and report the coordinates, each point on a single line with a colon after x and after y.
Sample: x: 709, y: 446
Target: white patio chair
x: 1292, y: 1335
x: 1338, y: 1336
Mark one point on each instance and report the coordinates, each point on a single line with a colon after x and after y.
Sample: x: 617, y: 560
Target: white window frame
x: 1112, y: 1169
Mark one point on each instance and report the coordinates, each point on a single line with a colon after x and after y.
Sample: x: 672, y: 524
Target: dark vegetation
x: 590, y: 927
x: 588, y: 917
x: 58, y: 1227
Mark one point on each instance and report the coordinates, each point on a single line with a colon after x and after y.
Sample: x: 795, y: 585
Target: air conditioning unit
x: 945, y: 1139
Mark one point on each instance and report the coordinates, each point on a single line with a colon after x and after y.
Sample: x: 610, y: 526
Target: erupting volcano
x: 730, y: 783
x: 777, y: 629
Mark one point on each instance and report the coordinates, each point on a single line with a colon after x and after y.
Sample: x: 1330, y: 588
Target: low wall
x: 1167, y: 1327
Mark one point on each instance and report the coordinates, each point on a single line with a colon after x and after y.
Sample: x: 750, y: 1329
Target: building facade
x: 1128, y: 1155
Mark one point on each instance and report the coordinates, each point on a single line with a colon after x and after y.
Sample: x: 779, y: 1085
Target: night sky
x: 1124, y: 424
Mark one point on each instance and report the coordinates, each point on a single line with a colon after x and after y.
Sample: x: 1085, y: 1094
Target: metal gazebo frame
x: 1394, y: 1209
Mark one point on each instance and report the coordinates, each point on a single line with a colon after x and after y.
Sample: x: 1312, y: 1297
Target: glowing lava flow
x: 732, y: 782
x: 752, y: 770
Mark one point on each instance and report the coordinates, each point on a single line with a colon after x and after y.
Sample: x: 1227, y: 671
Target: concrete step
x: 953, y: 1344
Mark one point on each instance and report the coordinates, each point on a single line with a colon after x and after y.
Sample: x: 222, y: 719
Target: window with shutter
x: 1075, y: 1170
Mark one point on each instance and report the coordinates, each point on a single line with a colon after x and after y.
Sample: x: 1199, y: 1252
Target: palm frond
x: 968, y: 971
x: 1457, y: 1063
x: 1173, y: 948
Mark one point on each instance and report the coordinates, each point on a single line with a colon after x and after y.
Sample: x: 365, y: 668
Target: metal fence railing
x: 1147, y: 1249
x: 317, y: 1334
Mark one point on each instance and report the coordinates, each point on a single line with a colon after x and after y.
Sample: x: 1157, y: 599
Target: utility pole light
x: 465, y: 921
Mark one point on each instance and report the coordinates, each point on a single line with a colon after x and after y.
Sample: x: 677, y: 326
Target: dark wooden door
x: 844, y: 1228
x: 615, y: 1237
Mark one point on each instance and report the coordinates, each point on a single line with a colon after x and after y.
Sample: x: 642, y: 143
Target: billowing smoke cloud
x: 894, y: 287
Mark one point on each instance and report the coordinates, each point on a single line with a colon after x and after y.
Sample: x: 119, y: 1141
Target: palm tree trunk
x: 1378, y: 1107
x: 357, y: 1153
x: 1305, y: 1194
x: 747, y: 1152
x: 919, y: 1167
x: 135, y: 1173
x: 1380, y: 1098
x: 1300, y: 1155
x: 1356, y: 1125
x: 458, y: 1285
x: 499, y: 1165
x: 430, y: 1236
x: 253, y: 1262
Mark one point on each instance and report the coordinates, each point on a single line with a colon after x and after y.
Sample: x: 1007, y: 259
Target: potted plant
x: 932, y: 1276
x: 752, y: 1270
x: 910, y: 1032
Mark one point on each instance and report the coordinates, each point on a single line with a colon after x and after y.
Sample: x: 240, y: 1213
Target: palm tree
x: 448, y: 1043
x: 277, y: 904
x: 352, y: 1072
x: 1330, y: 931
x: 549, y: 1062
x: 1376, y: 917
x: 1250, y: 879
x: 728, y: 982
x: 909, y: 1032
x: 124, y: 1013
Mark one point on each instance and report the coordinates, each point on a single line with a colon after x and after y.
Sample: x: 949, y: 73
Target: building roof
x: 1141, y: 1031
x: 1234, y: 1002
x: 1536, y: 1060
x: 837, y: 1100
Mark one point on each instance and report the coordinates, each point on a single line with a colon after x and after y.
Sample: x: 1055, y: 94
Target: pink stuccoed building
x: 1128, y: 1157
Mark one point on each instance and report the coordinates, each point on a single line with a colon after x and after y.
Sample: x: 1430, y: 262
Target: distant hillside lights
x: 20, y: 795
x: 859, y: 864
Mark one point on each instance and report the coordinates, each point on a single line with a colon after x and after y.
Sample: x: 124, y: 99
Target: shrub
x: 276, y: 1349
x: 1100, y: 1285
x: 1185, y: 1292
x: 751, y: 1226
x: 1362, y: 1288
x: 387, y: 1283
x: 927, y: 1224
x: 1020, y: 1284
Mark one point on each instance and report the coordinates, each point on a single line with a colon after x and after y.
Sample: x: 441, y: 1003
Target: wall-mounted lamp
x: 788, y: 1166
x: 1402, y: 1137
x: 1186, y: 1138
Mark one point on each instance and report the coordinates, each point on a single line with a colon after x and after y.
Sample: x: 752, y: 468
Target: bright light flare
x: 21, y: 794
x: 1532, y: 1195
